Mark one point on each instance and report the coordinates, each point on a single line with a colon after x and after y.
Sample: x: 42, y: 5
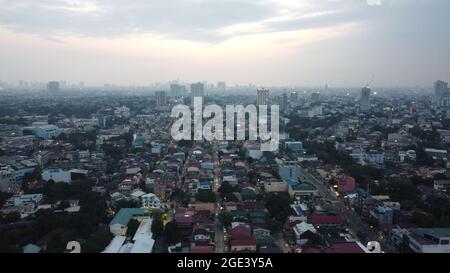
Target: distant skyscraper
x: 440, y: 89
x: 53, y: 86
x: 315, y: 97
x: 177, y: 90
x: 284, y: 102
x: 161, y: 98
x: 294, y: 97
x: 197, y: 90
x: 263, y: 96
x: 365, y: 99
x: 221, y: 86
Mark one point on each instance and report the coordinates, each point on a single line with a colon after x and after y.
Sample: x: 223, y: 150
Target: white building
x: 18, y: 199
x: 8, y: 182
x: 150, y: 201
x: 300, y: 229
x: 57, y: 175
x: 424, y: 240
x: 43, y: 131
x: 143, y: 238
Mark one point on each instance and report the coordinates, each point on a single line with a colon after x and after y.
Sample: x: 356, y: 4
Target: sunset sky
x: 265, y: 42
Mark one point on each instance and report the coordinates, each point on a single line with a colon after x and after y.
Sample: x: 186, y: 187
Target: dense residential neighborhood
x: 106, y: 172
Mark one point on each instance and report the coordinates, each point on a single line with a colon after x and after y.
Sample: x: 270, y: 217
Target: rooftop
x: 124, y: 215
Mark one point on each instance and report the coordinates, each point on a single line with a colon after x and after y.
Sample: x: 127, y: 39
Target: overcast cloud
x: 297, y: 35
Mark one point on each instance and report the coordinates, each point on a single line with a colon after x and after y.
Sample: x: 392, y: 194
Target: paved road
x: 351, y: 218
x: 218, y: 227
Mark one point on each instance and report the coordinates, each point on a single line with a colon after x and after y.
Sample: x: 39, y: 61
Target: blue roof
x: 31, y: 248
x: 298, y: 210
x: 292, y: 181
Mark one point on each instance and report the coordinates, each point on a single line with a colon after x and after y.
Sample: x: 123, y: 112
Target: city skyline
x: 268, y: 43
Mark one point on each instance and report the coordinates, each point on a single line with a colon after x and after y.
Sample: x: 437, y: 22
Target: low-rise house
x: 301, y: 232
x: 151, y: 202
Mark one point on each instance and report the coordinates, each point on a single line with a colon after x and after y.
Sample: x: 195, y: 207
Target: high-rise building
x: 440, y: 89
x: 315, y: 97
x: 161, y: 98
x: 365, y: 99
x: 284, y: 102
x: 53, y: 86
x: 294, y: 97
x: 221, y: 86
x: 197, y: 90
x: 177, y: 90
x: 263, y: 96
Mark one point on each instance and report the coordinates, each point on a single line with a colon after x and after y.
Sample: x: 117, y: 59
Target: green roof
x: 124, y: 215
x: 256, y: 213
x: 259, y: 220
x: 239, y: 213
x: 31, y: 248
x: 264, y: 241
x: 248, y: 192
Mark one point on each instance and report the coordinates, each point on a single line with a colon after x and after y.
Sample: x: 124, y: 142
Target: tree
x: 157, y: 228
x: 97, y: 242
x: 126, y: 204
x: 205, y: 196
x: 226, y: 218
x: 279, y: 207
x: 133, y: 225
x: 231, y: 197
x: 274, y: 225
x: 423, y: 158
x: 3, y: 197
x: 225, y: 189
x: 12, y: 217
x: 171, y: 232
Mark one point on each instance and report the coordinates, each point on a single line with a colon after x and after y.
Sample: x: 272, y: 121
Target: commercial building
x: 43, y: 131
x: 262, y: 96
x: 365, y: 99
x: 197, y: 90
x: 119, y: 224
x: 161, y: 99
x: 8, y: 182
x: 423, y: 240
x: 53, y: 86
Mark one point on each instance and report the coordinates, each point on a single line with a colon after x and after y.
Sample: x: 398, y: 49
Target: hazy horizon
x: 310, y: 43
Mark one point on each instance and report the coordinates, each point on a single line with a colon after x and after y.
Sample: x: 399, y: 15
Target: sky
x: 263, y: 42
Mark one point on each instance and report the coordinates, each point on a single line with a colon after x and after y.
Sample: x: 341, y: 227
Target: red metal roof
x: 240, y: 232
x: 325, y: 219
x: 202, y: 249
x: 243, y: 242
